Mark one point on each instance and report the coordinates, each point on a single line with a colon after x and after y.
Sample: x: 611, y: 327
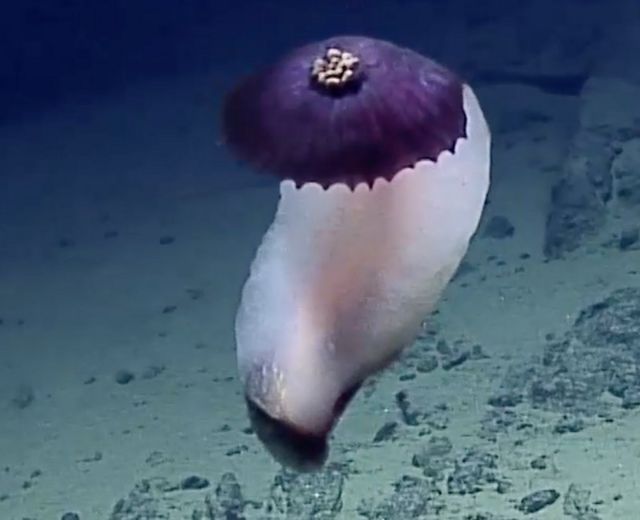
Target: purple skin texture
x: 400, y: 107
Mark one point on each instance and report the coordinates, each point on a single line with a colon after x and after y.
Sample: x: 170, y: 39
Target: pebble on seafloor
x: 123, y: 376
x: 538, y: 500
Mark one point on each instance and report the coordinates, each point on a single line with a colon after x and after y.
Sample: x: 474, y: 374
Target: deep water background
x: 55, y: 51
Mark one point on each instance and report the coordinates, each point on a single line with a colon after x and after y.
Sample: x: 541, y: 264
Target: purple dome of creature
x: 347, y: 110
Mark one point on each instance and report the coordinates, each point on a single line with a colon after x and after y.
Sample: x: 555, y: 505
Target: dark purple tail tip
x: 345, y: 110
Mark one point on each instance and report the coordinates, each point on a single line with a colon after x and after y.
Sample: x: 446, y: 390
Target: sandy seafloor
x: 87, y: 289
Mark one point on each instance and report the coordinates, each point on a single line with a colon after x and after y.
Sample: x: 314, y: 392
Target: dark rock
x: 484, y: 516
x: 123, y: 377
x: 503, y: 487
x: 504, y: 420
x: 438, y: 446
x: 631, y: 398
x: 627, y: 178
x: 194, y: 482
x: 477, y: 353
x: 599, y: 354
x: 142, y: 502
x: 455, y: 360
x: 433, y: 468
x: 236, y: 450
x: 97, y: 456
x: 411, y: 498
x: 569, y: 425
x: 499, y: 227
x: 576, y: 213
x: 539, y: 463
x: 157, y: 499
x: 308, y: 495
x: 228, y: 502
x: 437, y: 417
x: 629, y: 238
x: 538, y: 500
x: 70, y: 516
x: 599, y: 179
x: 166, y: 240
x: 443, y: 348
x: 386, y: 432
x: 506, y: 400
x: 409, y: 416
x: 577, y: 504
x: 473, y: 473
x: 427, y: 364
x: 432, y: 459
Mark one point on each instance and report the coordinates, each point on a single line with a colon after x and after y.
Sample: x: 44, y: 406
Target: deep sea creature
x: 384, y: 159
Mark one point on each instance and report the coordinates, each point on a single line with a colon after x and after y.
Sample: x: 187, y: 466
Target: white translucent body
x: 343, y: 279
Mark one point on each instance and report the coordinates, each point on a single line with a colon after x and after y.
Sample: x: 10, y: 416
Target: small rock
x: 504, y: 486
x: 629, y: 238
x: 152, y: 371
x: 411, y: 498
x: 386, y: 432
x: 410, y: 417
x: 569, y: 425
x: 427, y: 364
x: 70, y: 516
x: 631, y: 399
x: 123, y: 377
x: 576, y: 504
x: 455, y: 360
x: 95, y: 457
x: 472, y: 473
x: 506, y: 400
x: 499, y: 227
x: 442, y: 347
x: 194, y: 482
x: 439, y: 446
x: 538, y: 500
x: 307, y: 495
x: 539, y: 462
x: 229, y: 497
x: 478, y: 353
x: 166, y: 240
